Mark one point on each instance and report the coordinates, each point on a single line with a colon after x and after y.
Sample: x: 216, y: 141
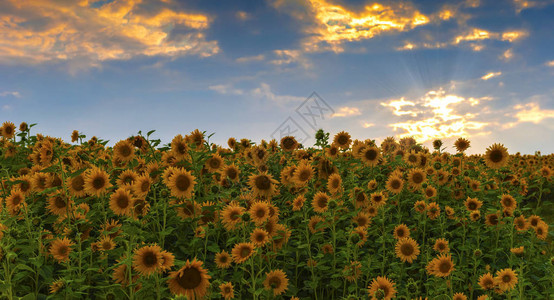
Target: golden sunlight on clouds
x: 337, y: 24
x: 346, y: 111
x: 434, y: 117
x: 367, y: 125
x: 491, y: 75
x: 44, y: 30
x: 550, y: 63
x: 529, y: 112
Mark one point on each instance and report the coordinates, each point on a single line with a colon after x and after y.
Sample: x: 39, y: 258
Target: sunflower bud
x: 477, y: 253
x: 332, y: 204
x: 355, y: 238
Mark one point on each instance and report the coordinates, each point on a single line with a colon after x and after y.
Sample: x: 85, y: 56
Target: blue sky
x: 483, y: 70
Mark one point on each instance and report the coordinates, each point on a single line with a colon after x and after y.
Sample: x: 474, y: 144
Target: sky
x: 263, y: 69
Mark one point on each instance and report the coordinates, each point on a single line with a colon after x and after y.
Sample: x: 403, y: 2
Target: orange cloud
x: 491, y: 75
x: 336, y: 25
x: 437, y: 117
x: 346, y: 111
x: 529, y: 112
x: 45, y: 30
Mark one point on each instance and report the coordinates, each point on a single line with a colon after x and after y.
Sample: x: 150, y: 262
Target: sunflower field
x: 343, y: 219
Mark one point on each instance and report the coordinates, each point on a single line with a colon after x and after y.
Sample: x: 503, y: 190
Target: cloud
x: 473, y: 37
x: 433, y: 116
x: 529, y: 112
x: 507, y: 55
x: 262, y: 92
x: 13, y: 94
x: 491, y: 75
x: 289, y: 56
x: 549, y: 63
x: 242, y: 15
x: 367, y: 125
x: 334, y: 24
x: 247, y: 59
x: 95, y: 31
x: 526, y: 4
x: 346, y: 111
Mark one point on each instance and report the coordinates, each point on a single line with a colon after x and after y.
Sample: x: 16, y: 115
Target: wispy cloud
x: 43, y: 30
x: 264, y: 91
x: 289, y: 56
x: 529, y: 112
x: 491, y: 75
x: 247, y: 59
x: 549, y: 63
x: 13, y: 94
x: 346, y: 111
x: 526, y: 4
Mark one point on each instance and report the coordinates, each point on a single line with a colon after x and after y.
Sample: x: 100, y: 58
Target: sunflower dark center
x: 407, y: 249
x: 78, y: 183
x: 412, y: 158
x: 244, y: 252
x: 400, y: 232
x: 25, y: 186
x: 417, y: 178
x: 106, y: 245
x: 506, y: 278
x: 59, y: 202
x: 234, y: 215
x: 304, y: 175
x: 472, y: 205
x: 123, y: 201
x: 16, y: 200
x: 274, y: 282
x: 496, y: 156
x: 444, y: 267
x: 98, y: 182
x: 214, y: 163
x: 493, y: 219
x: 322, y: 202
x: 395, y: 184
x: 190, y: 278
x: 125, y: 151
x: 288, y: 143
x: 63, y: 250
x: 232, y: 173
x: 182, y: 182
x: 429, y: 193
x: 262, y: 182
x: 260, y: 213
x: 150, y: 259
x: 371, y: 154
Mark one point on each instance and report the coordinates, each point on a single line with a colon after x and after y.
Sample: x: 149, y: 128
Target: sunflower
x: 381, y: 288
x: 362, y: 219
x: 520, y: 223
x: 179, y: 147
x: 534, y: 220
x: 420, y: 206
x: 112, y: 228
x: 142, y: 184
x: 508, y: 202
x: 191, y: 280
x: 314, y: 223
x: 459, y: 296
x: 14, y: 201
x: 298, y: 203
x: 147, y: 260
x: 412, y: 158
x: 473, y: 204
x: 56, y: 286
x: 302, y: 174
x: 416, y: 177
x: 372, y: 184
x: 492, y: 219
x: 181, y: 183
x: 359, y: 198
x: 320, y: 202
x: 496, y: 156
x: 433, y: 210
x: 232, y: 172
x: 518, y: 251
x: 506, y: 279
x: 60, y: 249
x: 541, y: 230
x: 39, y: 181
x: 8, y: 130
x: 461, y: 144
x: 242, y: 252
x: 106, y: 243
x: 26, y: 185
x: 486, y: 281
x: 124, y: 151
x: 360, y: 234
x: 97, y: 181
x: 353, y: 271
x: 441, y: 245
x: 259, y: 237
x: 288, y: 143
x: 342, y: 140
x: 441, y: 266
x: 378, y: 199
x: 263, y: 185
x: 370, y: 155
x: 276, y: 281
x: 226, y: 290
x: 214, y: 163
x: 281, y: 236
x: 332, y: 151
x: 334, y: 183
x: 127, y: 178
x: 395, y: 184
x: 231, y: 216
x: 122, y: 202
x: 430, y: 192
x: 401, y: 231
x: 259, y: 212
x: 223, y: 260
x: 407, y: 249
